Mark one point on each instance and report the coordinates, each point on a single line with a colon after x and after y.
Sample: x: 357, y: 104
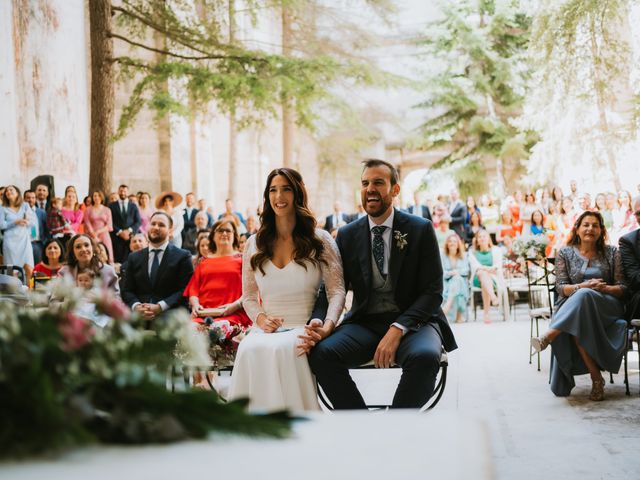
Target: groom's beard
x: 383, y: 206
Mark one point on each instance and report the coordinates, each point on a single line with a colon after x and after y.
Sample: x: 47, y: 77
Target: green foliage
x: 479, y: 87
x: 183, y: 58
x: 471, y: 178
x: 65, y: 383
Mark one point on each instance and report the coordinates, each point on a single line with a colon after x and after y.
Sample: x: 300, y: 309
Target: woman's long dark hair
x: 574, y: 239
x: 308, y: 247
x: 94, y: 264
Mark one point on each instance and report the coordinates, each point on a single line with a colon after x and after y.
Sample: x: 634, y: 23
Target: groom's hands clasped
x: 314, y: 332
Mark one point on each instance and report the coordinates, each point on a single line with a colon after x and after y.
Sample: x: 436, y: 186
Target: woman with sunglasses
x: 217, y: 280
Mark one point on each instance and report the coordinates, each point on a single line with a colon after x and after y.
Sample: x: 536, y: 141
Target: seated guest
x: 217, y: 280
x: 475, y: 225
x: 50, y: 264
x: 228, y: 210
x: 455, y: 266
x: 157, y: 275
x: 536, y: 223
x: 252, y: 225
x: 506, y: 226
x: 82, y: 253
x: 630, y: 254
x: 190, y: 237
x: 486, y: 269
x: 587, y: 331
x: 138, y: 242
x: 243, y: 242
x: 443, y: 231
x: 202, y: 249
x: 103, y: 254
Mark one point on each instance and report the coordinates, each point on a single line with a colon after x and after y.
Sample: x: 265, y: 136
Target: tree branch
x: 169, y: 53
x: 159, y: 28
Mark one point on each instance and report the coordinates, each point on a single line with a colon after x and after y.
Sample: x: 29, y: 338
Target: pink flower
x: 76, y: 332
x: 113, y: 307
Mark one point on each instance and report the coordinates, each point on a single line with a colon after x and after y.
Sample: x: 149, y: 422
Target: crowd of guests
x: 161, y: 255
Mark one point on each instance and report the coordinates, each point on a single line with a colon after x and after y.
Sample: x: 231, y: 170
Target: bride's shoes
x: 539, y: 343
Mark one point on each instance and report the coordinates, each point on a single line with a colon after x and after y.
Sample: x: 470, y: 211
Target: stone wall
x: 44, y: 125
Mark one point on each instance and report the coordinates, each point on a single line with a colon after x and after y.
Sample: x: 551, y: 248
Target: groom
x: 392, y: 264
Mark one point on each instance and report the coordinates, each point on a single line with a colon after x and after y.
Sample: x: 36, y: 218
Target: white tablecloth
x: 350, y: 445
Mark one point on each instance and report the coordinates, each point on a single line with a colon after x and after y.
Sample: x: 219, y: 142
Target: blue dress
x: 456, y: 285
x: 596, y: 320
x: 16, y: 246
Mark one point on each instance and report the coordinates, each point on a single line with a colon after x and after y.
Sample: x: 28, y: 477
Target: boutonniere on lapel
x: 400, y: 238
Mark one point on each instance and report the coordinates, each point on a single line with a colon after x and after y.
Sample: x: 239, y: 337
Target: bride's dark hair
x: 308, y: 247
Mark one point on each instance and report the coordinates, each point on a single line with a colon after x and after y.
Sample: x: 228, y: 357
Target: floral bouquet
x: 532, y: 246
x: 64, y: 382
x: 223, y: 341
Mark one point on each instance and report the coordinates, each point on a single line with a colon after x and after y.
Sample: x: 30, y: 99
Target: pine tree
x: 478, y: 52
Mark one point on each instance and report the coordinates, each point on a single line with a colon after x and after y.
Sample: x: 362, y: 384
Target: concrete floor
x: 533, y: 433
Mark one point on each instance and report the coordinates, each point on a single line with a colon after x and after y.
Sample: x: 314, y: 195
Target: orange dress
x: 216, y: 282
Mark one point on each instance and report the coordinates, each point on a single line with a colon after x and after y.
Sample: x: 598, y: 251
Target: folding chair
x: 540, y: 285
x: 438, y: 391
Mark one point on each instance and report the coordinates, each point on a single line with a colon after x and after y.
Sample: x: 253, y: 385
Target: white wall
x: 45, y: 128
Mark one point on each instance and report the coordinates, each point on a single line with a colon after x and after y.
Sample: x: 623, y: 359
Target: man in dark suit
x: 458, y: 213
x: 40, y: 234
x: 189, y: 229
x: 158, y: 274
x: 337, y: 218
x: 392, y: 263
x: 42, y: 196
x: 630, y: 254
x: 419, y: 209
x: 126, y: 222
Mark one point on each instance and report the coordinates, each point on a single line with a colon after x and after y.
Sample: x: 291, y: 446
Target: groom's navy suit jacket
x: 415, y: 270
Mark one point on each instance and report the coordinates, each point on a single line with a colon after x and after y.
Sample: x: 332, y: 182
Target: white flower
x: 400, y: 238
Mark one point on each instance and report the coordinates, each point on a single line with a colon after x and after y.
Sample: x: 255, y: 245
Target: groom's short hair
x: 374, y: 162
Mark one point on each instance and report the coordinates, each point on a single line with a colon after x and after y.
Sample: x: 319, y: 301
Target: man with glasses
x: 630, y: 253
x: 158, y: 274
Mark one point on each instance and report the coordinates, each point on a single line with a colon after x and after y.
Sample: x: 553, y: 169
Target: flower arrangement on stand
x: 64, y: 382
x: 532, y: 246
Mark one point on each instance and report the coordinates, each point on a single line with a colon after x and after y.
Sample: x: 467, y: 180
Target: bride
x: 282, y: 268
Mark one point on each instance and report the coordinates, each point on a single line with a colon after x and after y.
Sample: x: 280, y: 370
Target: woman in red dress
x: 50, y: 264
x: 217, y: 280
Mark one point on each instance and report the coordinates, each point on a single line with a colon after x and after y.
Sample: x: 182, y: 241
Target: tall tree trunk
x: 607, y: 139
x: 233, y: 127
x: 163, y: 128
x: 288, y: 115
x: 102, y: 97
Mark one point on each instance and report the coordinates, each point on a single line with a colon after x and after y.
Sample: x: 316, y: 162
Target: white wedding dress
x: 267, y: 369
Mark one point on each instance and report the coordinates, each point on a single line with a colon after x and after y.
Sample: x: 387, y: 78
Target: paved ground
x: 533, y: 433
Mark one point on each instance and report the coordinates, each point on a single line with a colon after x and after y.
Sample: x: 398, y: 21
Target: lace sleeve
x: 250, y: 294
x: 618, y: 272
x: 333, y: 276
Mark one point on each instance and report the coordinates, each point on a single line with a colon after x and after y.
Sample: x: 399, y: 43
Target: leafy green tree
x: 581, y: 97
x: 194, y: 64
x: 477, y: 51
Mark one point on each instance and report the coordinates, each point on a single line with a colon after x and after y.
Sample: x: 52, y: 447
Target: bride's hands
x: 268, y: 323
x: 314, y: 332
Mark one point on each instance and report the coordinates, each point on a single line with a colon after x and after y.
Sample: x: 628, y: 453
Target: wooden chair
x: 441, y: 383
